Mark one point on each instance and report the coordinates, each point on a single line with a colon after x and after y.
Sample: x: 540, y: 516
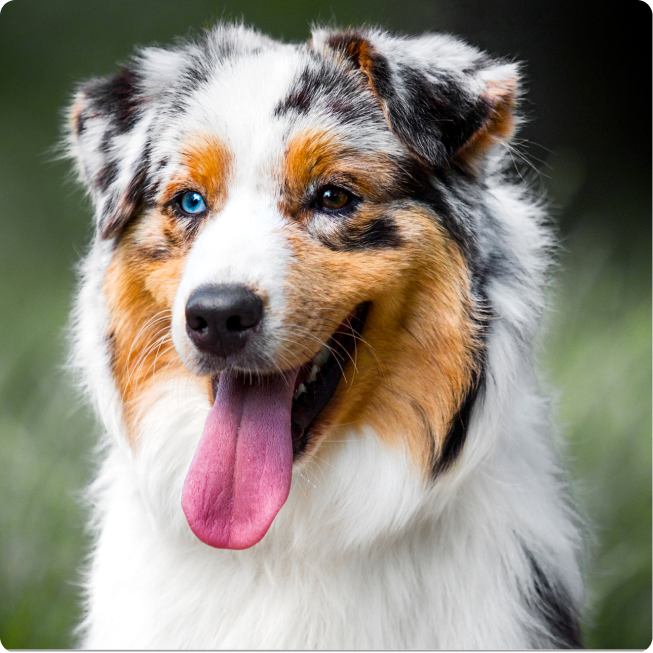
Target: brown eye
x: 333, y: 198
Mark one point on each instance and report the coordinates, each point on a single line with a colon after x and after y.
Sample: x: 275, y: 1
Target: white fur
x: 243, y: 245
x: 362, y: 555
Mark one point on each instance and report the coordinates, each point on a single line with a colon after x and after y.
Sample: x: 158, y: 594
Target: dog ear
x: 108, y: 137
x: 447, y: 102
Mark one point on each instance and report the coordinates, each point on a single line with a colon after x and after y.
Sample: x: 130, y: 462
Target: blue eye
x: 192, y: 203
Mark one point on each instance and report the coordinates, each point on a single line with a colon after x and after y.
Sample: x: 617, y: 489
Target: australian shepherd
x: 306, y: 324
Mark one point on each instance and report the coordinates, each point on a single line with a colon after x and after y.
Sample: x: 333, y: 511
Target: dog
x: 306, y: 323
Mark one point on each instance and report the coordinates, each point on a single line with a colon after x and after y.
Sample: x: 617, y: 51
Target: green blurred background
x: 588, y: 144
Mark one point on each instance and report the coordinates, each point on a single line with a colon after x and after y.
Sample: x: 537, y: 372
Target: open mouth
x: 318, y: 379
x: 242, y: 468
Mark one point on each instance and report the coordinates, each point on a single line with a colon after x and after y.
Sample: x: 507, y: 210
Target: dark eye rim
x: 175, y: 204
x: 352, y: 202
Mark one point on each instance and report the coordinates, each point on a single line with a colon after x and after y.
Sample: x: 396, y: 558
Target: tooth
x: 322, y: 356
x: 300, y: 390
x: 314, y: 370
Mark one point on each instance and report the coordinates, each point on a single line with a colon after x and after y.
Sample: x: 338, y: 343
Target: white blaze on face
x: 244, y: 244
x: 241, y: 471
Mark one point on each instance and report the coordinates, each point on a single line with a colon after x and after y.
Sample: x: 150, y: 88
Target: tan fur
x: 139, y: 295
x: 142, y: 280
x: 417, y: 359
x: 206, y: 167
x: 317, y: 156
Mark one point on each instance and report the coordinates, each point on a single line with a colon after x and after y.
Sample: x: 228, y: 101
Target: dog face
x: 291, y: 233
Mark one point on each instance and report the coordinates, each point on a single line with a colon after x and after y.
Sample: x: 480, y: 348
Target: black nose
x: 220, y: 319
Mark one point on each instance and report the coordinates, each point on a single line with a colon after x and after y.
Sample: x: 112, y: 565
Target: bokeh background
x: 587, y: 144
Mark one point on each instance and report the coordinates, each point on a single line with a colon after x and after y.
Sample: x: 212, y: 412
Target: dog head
x: 294, y: 230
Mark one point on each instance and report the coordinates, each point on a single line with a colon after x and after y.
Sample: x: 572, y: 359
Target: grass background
x: 589, y: 109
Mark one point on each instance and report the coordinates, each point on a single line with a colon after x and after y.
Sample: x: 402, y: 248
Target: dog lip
x: 307, y: 407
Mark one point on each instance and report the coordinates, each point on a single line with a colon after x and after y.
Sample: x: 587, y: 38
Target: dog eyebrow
x: 206, y: 161
x: 317, y: 154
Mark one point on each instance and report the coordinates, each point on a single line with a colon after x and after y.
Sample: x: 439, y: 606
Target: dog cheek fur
x: 142, y: 281
x: 140, y: 291
x: 417, y: 358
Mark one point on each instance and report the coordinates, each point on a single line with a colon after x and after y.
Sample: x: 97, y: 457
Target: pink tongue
x: 240, y: 475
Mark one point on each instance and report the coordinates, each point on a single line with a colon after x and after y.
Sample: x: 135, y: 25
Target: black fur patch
x: 312, y: 83
x: 195, y: 75
x: 434, y: 120
x: 420, y: 182
x: 110, y: 339
x: 552, y: 608
x: 150, y: 193
x: 80, y: 123
x: 107, y: 139
x: 457, y: 434
x: 299, y: 98
x: 135, y: 188
x: 378, y: 233
x: 107, y: 175
x: 494, y: 266
x: 118, y: 98
x: 348, y: 111
x: 455, y: 438
x: 121, y: 206
x: 322, y: 82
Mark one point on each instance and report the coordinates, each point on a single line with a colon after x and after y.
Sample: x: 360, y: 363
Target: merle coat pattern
x: 352, y: 192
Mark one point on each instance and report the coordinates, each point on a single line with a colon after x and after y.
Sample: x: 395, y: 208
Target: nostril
x: 235, y: 323
x: 247, y: 318
x: 197, y: 322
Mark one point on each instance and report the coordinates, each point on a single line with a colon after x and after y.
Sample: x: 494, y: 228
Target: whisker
x: 300, y: 344
x: 156, y: 315
x: 357, y: 336
x: 161, y: 375
x: 160, y: 342
x: 288, y: 350
x: 141, y: 359
x: 335, y: 355
x: 331, y: 349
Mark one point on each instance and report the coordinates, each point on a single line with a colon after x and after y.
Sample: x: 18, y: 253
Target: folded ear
x: 108, y: 138
x: 446, y: 101
x: 109, y: 133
